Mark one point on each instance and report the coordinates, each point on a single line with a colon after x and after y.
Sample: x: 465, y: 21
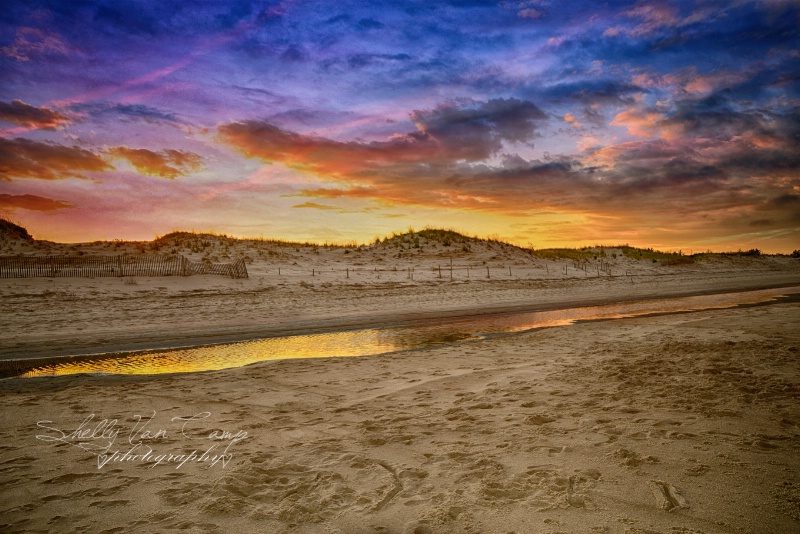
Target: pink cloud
x: 641, y: 122
x: 32, y: 42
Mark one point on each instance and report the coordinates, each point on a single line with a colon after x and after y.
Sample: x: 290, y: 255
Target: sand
x: 681, y: 423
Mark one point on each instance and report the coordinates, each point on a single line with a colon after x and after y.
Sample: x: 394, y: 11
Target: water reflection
x: 378, y: 341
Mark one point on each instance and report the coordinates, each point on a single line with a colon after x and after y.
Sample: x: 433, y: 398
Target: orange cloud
x: 24, y: 114
x: 570, y: 119
x: 165, y: 164
x: 25, y: 158
x: 471, y: 131
x: 641, y: 122
x: 32, y: 202
x: 314, y: 205
x: 262, y: 140
x: 445, y: 164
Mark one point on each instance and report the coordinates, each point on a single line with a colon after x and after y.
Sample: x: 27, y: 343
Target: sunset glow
x: 673, y: 125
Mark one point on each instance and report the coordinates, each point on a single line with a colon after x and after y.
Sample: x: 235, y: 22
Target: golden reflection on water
x: 215, y: 357
x: 379, y: 341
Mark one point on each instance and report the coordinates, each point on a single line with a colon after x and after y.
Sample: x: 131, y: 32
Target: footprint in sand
x: 667, y: 496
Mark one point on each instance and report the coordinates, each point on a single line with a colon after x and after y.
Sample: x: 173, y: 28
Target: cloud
x: 260, y: 139
x: 475, y: 132
x: 651, y: 180
x: 457, y: 157
x: 362, y: 60
x: 653, y: 18
x: 470, y: 131
x: 570, y: 119
x: 591, y: 92
x: 659, y: 149
x: 24, y: 114
x: 129, y: 112
x: 32, y: 42
x: 32, y: 202
x: 639, y: 121
x: 168, y: 163
x: 715, y: 118
x: 690, y: 81
x: 314, y: 205
x: 530, y: 13
x: 25, y: 158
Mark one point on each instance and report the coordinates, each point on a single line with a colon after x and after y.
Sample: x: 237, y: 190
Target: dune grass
x: 207, y: 241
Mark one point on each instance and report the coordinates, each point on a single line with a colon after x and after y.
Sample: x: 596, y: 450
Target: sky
x: 673, y: 125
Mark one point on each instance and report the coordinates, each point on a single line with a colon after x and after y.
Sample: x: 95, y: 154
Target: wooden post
x: 440, y: 272
x: 347, y: 270
x: 509, y: 270
x: 487, y: 272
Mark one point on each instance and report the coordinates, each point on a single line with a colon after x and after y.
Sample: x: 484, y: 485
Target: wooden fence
x: 121, y: 265
x: 237, y: 269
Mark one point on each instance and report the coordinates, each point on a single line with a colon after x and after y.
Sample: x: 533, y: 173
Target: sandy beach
x: 400, y: 267
x: 682, y: 423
